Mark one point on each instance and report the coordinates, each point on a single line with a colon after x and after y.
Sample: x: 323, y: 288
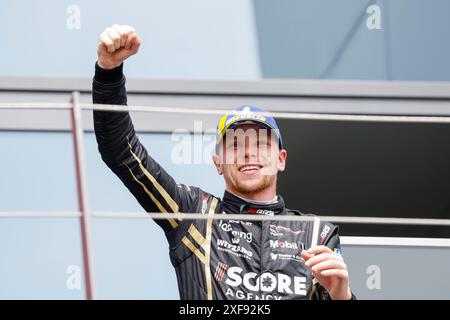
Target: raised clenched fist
x: 116, y: 44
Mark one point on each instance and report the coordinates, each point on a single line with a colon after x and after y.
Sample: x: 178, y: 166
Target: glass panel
x: 37, y: 172
x: 132, y: 260
x: 41, y: 259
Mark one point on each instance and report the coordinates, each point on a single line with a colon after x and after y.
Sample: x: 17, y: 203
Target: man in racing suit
x: 213, y: 259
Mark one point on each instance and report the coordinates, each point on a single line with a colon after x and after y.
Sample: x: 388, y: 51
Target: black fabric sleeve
x: 124, y: 154
x: 332, y: 241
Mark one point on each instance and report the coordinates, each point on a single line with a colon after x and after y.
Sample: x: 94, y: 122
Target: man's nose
x: 250, y: 150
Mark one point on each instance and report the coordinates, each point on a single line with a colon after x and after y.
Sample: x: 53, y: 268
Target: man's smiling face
x: 249, y: 159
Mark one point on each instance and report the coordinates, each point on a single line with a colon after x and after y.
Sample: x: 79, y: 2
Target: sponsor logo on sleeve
x: 282, y: 244
x: 244, y: 223
x: 220, y: 271
x: 234, y: 249
x: 237, y: 234
x: 204, y: 203
x: 278, y: 231
x: 261, y: 211
x: 323, y: 235
x: 338, y: 252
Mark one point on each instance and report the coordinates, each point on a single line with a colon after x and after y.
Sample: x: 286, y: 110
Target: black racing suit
x: 213, y: 259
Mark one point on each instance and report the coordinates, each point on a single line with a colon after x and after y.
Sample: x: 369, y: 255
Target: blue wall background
x: 197, y: 39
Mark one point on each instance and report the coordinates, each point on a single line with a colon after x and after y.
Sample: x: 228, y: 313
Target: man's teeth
x: 247, y: 168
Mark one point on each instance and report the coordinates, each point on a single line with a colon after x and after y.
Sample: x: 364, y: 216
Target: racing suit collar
x: 234, y: 204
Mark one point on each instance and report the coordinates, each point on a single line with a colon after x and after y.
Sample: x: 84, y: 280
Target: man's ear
x: 282, y: 155
x: 217, y: 163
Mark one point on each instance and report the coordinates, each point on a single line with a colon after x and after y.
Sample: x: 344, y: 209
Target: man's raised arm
x: 117, y: 142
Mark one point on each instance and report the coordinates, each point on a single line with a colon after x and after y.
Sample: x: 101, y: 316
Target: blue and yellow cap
x: 246, y: 115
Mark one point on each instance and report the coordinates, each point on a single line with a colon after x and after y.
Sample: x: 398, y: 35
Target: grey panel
x: 404, y: 272
x: 296, y: 96
x: 329, y: 39
x: 265, y: 88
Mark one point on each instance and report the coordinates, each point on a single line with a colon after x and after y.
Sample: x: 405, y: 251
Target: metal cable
x: 244, y: 217
x: 220, y: 112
